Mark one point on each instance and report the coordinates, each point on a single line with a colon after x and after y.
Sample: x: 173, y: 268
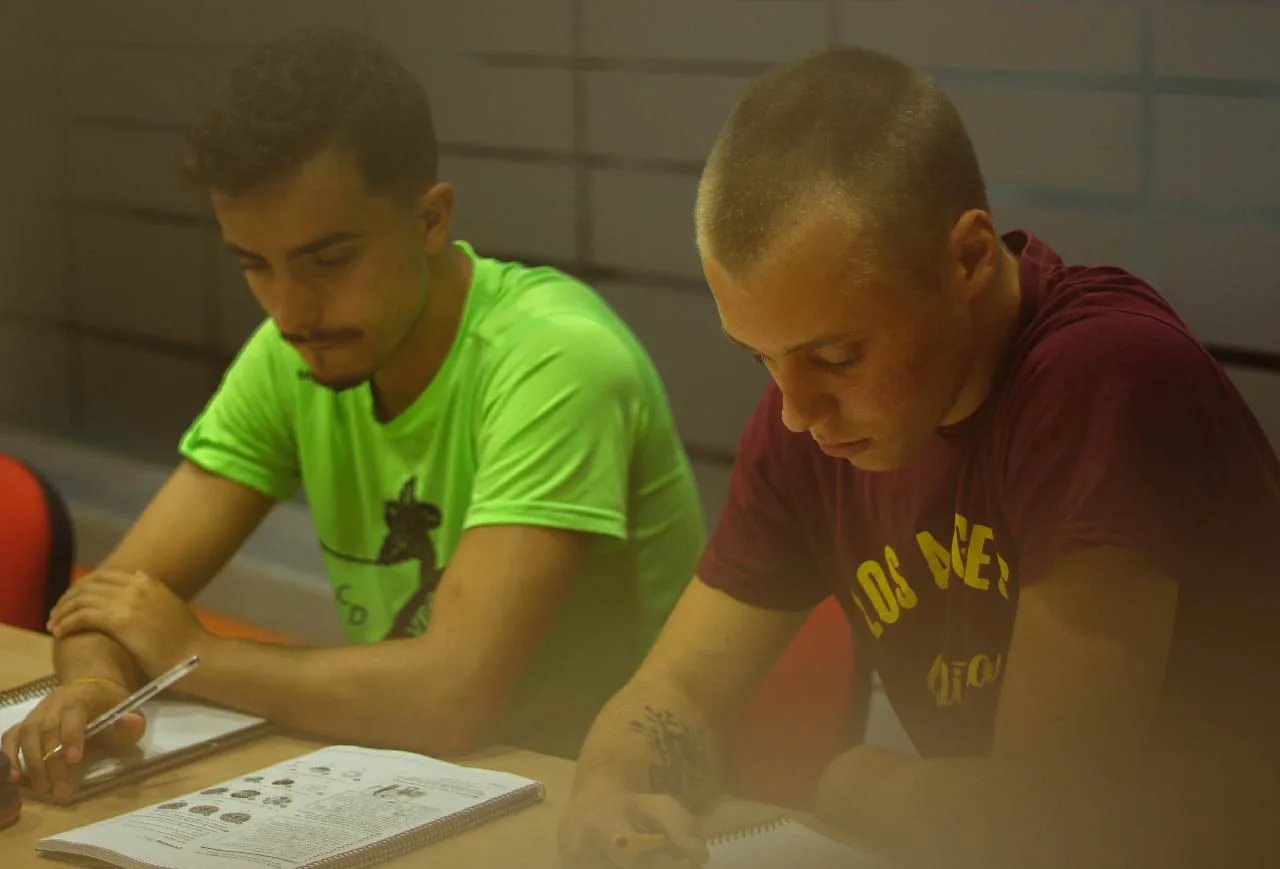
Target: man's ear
x: 973, y: 251
x: 435, y: 209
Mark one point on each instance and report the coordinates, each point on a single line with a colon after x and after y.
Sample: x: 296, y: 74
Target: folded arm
x: 1086, y: 667
x: 191, y: 528
x: 188, y: 531
x: 438, y: 693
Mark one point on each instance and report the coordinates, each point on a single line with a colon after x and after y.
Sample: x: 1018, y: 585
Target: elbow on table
x: 452, y: 741
x: 437, y: 709
x: 455, y: 728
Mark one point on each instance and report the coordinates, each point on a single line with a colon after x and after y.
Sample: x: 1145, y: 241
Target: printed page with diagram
x: 339, y: 806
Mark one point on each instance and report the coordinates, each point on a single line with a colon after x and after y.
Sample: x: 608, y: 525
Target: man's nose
x: 293, y: 306
x: 803, y: 404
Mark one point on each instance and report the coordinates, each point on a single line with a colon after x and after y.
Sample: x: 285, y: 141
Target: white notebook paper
x: 177, y: 729
x: 784, y: 844
x: 341, y: 807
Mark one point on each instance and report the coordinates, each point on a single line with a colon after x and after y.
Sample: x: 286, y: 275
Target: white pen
x: 134, y: 700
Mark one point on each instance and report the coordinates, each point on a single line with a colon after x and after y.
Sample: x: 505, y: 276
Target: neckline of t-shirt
x: 423, y: 407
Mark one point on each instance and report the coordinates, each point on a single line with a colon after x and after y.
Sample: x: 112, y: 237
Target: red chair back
x: 37, y: 546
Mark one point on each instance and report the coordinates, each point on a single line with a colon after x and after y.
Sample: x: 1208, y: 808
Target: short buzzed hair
x: 849, y: 128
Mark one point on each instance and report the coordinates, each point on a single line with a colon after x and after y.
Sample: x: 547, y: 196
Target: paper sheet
x: 322, y: 804
x: 790, y: 845
x: 172, y: 725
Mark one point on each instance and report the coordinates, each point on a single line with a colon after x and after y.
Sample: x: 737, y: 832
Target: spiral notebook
x: 341, y: 807
x: 178, y: 729
x: 783, y: 842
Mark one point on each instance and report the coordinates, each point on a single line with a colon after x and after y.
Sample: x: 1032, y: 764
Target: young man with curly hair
x: 506, y: 512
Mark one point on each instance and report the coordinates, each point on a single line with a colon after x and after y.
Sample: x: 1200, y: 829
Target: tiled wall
x: 1141, y: 134
x: 31, y: 356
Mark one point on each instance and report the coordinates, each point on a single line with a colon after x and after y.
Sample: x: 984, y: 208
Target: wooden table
x: 526, y: 839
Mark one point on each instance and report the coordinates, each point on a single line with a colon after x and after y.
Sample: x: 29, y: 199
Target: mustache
x: 326, y: 336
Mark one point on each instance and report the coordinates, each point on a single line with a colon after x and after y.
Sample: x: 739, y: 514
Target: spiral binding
x: 747, y: 830
x: 28, y: 691
x: 434, y: 831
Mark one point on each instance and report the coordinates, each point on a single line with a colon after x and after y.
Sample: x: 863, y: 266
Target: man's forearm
x: 94, y: 655
x: 961, y: 813
x: 394, y: 694
x: 648, y: 739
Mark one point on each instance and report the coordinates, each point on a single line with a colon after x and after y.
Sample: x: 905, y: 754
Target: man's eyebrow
x: 818, y: 343
x: 314, y: 246
x: 241, y: 252
x: 734, y: 340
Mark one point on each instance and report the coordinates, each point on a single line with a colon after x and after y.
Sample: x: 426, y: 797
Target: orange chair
x: 37, y: 546
x: 809, y: 708
x: 225, y: 626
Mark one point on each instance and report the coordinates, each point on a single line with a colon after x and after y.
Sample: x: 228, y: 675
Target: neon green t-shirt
x: 547, y: 411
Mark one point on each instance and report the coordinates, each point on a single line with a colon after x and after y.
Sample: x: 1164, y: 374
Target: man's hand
x: 655, y: 756
x: 62, y: 718
x: 143, y: 615
x: 592, y: 822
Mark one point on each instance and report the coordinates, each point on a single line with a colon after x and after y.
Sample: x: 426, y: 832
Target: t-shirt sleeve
x: 559, y: 418
x: 762, y: 549
x: 1112, y: 441
x: 245, y: 433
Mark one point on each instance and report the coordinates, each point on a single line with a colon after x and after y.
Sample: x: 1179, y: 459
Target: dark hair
x: 293, y: 97
x: 851, y: 128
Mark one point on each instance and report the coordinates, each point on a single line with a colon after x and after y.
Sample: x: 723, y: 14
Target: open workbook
x: 178, y: 729
x: 784, y: 843
x: 340, y: 807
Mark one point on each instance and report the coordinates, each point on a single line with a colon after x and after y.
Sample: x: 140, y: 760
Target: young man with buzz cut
x: 1048, y: 514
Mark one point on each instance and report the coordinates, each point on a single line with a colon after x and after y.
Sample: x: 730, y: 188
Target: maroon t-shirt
x: 1109, y: 425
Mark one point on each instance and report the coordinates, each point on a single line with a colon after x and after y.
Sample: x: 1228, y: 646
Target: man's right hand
x: 592, y: 823
x: 62, y: 718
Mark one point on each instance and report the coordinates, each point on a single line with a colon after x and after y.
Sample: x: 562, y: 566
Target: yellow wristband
x: 96, y: 679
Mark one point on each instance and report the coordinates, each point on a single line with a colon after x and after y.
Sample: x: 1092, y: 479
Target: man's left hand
x: 142, y: 614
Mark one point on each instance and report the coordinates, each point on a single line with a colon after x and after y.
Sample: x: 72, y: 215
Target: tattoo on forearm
x: 680, y: 750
